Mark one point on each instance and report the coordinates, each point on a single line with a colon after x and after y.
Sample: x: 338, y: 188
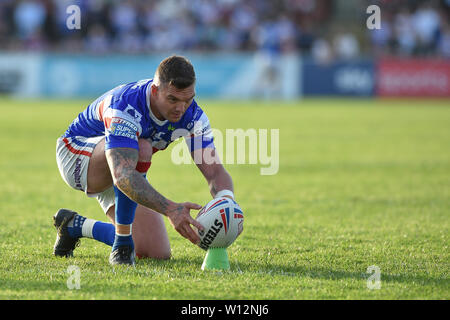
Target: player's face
x: 170, y: 102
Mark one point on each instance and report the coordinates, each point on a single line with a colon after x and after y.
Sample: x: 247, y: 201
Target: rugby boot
x: 122, y: 255
x: 64, y: 244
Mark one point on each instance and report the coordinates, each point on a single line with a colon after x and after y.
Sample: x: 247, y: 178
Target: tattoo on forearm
x: 122, y: 162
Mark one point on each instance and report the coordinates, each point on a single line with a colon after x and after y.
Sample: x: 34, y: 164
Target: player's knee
x: 145, y: 150
x: 163, y: 254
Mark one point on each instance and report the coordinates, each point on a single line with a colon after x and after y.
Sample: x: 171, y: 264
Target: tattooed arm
x: 122, y: 163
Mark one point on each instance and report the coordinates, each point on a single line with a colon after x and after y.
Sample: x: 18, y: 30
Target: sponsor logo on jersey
x: 120, y: 127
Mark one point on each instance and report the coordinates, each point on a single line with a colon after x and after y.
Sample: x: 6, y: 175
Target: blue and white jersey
x: 123, y: 115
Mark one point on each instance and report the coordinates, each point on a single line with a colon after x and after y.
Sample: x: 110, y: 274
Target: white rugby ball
x: 223, y: 221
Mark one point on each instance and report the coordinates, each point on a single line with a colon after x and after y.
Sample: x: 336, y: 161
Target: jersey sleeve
x: 122, y: 125
x: 200, y: 135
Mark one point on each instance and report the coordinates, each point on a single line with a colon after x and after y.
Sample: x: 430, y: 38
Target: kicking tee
x: 123, y: 115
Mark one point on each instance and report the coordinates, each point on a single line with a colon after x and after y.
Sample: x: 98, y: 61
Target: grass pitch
x: 361, y: 183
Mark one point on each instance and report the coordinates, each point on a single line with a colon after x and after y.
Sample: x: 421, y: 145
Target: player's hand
x: 180, y: 218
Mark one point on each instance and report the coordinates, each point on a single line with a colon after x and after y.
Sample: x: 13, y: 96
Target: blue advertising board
x: 218, y: 75
x: 352, y: 78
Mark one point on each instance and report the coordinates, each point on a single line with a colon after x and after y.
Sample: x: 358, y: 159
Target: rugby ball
x: 223, y: 221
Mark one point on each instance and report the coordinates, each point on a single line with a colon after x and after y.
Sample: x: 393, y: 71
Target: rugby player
x: 107, y: 151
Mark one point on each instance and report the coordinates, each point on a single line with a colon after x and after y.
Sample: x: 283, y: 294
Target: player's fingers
x: 196, y: 224
x: 191, y: 235
x: 186, y: 232
x: 182, y: 230
x: 192, y: 205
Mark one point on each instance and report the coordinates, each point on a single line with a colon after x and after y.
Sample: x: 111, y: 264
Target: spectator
x: 124, y: 17
x: 346, y: 46
x: 405, y: 36
x: 426, y: 24
x: 29, y: 16
x: 381, y: 38
x: 444, y: 42
x: 97, y: 40
x: 321, y: 51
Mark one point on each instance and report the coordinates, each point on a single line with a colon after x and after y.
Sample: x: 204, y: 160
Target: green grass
x: 360, y: 183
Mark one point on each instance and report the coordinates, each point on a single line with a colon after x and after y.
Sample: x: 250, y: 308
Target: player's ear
x: 154, y: 89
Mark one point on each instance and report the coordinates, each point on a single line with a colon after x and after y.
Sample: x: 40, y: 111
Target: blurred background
x: 265, y: 49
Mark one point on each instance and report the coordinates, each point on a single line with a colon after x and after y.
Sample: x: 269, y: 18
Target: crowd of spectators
x: 409, y: 27
x: 420, y: 28
x: 135, y: 26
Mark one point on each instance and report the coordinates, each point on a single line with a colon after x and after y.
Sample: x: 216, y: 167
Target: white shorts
x: 72, y: 156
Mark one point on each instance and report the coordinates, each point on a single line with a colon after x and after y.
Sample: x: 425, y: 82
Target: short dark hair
x: 177, y: 71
